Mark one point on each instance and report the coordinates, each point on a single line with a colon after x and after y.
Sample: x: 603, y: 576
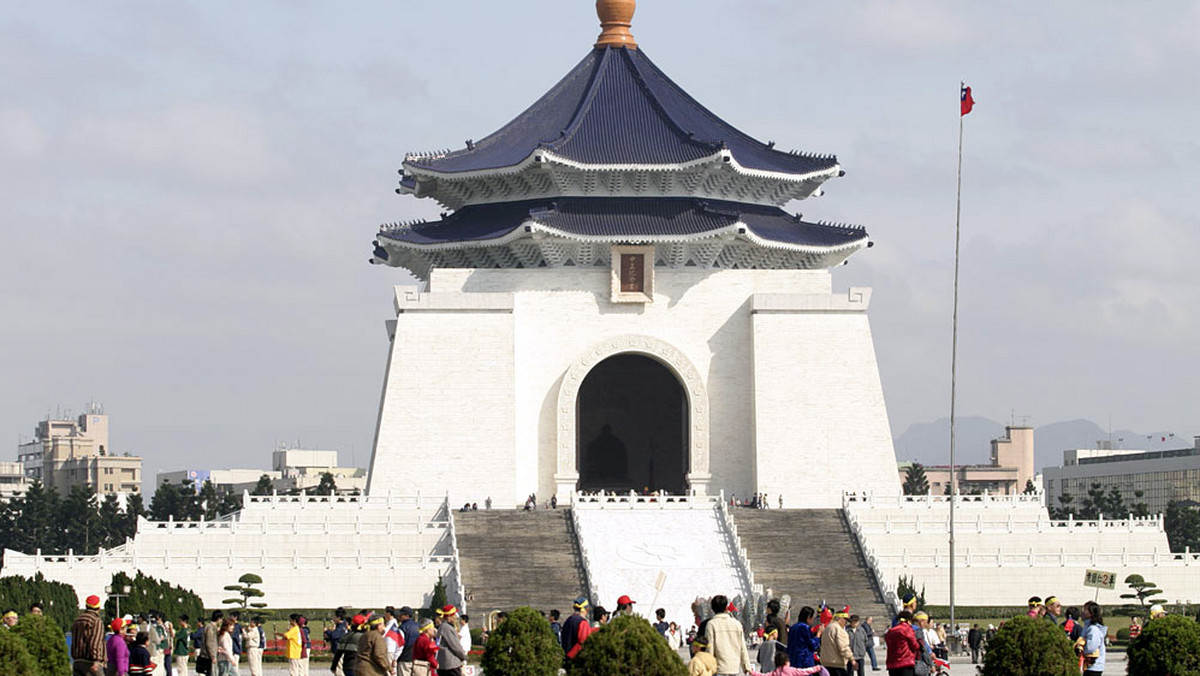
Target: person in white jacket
x: 252, y: 641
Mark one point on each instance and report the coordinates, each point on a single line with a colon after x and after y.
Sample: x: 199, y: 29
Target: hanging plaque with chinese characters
x: 632, y: 273
x: 633, y: 278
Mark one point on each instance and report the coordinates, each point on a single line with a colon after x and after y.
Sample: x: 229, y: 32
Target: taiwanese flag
x: 967, y: 102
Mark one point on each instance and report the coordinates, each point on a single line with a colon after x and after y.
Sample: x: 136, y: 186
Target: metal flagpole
x: 954, y: 360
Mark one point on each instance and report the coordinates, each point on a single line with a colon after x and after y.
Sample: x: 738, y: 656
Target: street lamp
x: 112, y: 591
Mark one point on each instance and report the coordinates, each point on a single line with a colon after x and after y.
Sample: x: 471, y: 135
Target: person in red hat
x: 117, y: 649
x: 87, y: 644
x: 625, y: 605
x: 451, y: 655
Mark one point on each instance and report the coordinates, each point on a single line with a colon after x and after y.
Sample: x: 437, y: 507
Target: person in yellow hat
x: 836, y: 655
x: 702, y: 662
x: 372, y: 658
x: 10, y: 618
x: 451, y: 655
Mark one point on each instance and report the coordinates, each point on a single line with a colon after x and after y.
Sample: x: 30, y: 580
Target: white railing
x: 939, y: 524
x: 872, y: 500
x: 455, y: 587
x: 16, y: 562
x: 625, y: 501
x: 741, y: 561
x: 295, y: 526
x: 886, y: 588
x: 592, y: 591
x: 1031, y: 558
x: 386, y: 500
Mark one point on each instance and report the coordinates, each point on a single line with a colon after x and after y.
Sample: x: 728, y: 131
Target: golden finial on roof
x: 616, y: 16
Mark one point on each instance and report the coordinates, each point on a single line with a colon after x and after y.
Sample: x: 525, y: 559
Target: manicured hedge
x: 59, y: 601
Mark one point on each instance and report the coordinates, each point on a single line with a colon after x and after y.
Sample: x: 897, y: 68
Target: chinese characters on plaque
x: 633, y: 279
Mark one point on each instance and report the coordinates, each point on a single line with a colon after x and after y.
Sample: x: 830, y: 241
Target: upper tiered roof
x: 616, y: 152
x: 616, y: 108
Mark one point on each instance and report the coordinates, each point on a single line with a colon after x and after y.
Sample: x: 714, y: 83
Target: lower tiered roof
x: 567, y: 230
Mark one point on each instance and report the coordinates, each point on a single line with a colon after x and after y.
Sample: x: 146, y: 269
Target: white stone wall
x: 487, y: 350
x: 820, y: 417
x: 310, y: 552
x: 446, y: 423
x: 1007, y: 549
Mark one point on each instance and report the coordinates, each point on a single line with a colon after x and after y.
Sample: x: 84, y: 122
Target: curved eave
x: 547, y: 156
x: 532, y: 229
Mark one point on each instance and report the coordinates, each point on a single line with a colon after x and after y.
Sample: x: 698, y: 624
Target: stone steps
x: 810, y: 555
x: 514, y: 558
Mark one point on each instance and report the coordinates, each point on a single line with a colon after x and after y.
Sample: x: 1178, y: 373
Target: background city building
x: 67, y: 452
x: 292, y: 469
x: 1008, y: 473
x: 1161, y: 477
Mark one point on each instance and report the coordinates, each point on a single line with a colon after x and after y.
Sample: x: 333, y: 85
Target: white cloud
x: 21, y: 137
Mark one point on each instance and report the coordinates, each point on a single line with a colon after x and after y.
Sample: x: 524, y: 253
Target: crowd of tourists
x: 395, y: 641
x: 366, y: 643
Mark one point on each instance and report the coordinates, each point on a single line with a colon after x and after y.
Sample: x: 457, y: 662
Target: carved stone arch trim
x: 566, y: 476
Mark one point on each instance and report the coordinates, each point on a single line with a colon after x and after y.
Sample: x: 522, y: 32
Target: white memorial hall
x: 621, y: 308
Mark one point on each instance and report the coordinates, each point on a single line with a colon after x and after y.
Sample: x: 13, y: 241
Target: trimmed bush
x: 628, y: 646
x: 58, y: 599
x: 1168, y: 646
x: 1027, y: 646
x: 148, y: 593
x: 523, y: 645
x: 45, y: 642
x: 14, y: 658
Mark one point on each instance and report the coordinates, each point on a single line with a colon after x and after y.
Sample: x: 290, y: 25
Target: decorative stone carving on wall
x: 566, y: 476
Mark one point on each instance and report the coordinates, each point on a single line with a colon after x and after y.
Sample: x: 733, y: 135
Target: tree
x: 46, y: 644
x: 915, y: 482
x: 58, y: 599
x: 37, y: 524
x: 1065, y: 509
x: 522, y: 645
x: 1182, y: 523
x: 134, y: 510
x: 246, y: 590
x: 1167, y: 646
x: 168, y: 502
x: 1027, y: 646
x: 1142, y: 589
x: 15, y: 660
x: 629, y: 646
x: 1030, y: 489
x: 327, y: 486
x: 264, y: 486
x: 209, y: 501
x: 147, y: 593
x: 79, y: 515
x: 906, y: 585
x: 111, y: 520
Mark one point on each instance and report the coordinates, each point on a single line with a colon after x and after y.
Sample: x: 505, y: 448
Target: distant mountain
x: 929, y: 443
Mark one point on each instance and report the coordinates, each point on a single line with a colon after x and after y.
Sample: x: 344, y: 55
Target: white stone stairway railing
x: 874, y: 565
x: 454, y: 587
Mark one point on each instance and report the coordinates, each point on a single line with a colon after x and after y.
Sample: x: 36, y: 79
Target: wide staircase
x: 810, y: 555
x: 514, y: 558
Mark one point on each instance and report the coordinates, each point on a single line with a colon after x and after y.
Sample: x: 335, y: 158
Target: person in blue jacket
x: 801, y: 642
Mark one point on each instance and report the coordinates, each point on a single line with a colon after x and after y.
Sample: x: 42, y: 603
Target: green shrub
x: 58, y: 599
x: 45, y: 642
x: 1123, y: 635
x: 15, y: 660
x: 1167, y: 646
x: 1027, y: 646
x: 148, y: 593
x: 523, y: 645
x: 627, y: 646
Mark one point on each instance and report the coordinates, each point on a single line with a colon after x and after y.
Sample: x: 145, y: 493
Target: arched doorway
x: 633, y: 427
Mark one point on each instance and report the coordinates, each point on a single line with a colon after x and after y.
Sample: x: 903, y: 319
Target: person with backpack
x: 350, y: 642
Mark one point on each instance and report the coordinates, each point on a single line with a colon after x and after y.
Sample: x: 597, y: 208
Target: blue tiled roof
x: 614, y: 218
x: 617, y: 107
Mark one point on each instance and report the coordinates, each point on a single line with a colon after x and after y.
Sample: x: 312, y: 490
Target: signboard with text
x: 1100, y: 579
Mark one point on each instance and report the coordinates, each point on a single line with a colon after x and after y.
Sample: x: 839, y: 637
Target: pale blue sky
x: 189, y: 191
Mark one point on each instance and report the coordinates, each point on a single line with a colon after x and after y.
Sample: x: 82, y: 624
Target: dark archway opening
x: 633, y: 427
